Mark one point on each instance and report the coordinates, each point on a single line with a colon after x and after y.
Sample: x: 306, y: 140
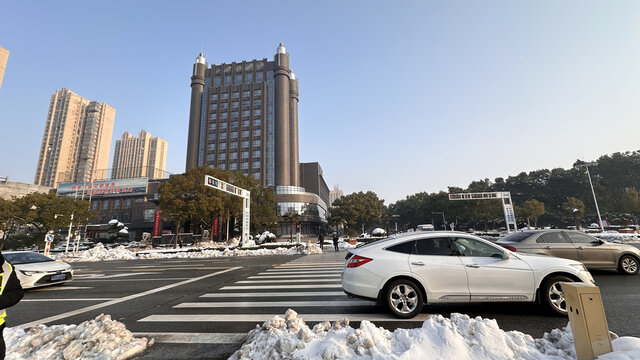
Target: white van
x: 425, y: 227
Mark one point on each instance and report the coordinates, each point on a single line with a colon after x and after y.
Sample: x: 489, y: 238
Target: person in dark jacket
x: 10, y: 293
x: 321, y: 241
x: 335, y: 241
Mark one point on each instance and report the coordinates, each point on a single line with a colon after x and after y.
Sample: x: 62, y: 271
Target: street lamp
x: 396, y: 216
x: 55, y: 216
x: 586, y: 166
x: 444, y: 222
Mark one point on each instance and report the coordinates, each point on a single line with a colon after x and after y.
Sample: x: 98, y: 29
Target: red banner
x: 214, y: 229
x: 156, y: 223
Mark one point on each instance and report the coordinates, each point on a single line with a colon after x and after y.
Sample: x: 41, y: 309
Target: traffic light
x: 297, y: 227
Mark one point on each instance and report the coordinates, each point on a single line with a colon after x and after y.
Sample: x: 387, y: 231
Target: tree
x: 575, y: 208
x: 631, y: 203
x: 532, y: 209
x: 8, y: 219
x: 361, y: 209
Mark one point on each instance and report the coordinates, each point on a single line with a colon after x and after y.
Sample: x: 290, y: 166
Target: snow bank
x: 457, y: 338
x: 100, y: 338
x: 100, y: 253
x: 616, y: 237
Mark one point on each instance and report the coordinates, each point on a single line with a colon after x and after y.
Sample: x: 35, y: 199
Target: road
x: 202, y: 308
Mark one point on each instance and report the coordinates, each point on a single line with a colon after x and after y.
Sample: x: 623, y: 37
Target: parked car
x: 409, y: 270
x: 591, y: 251
x: 35, y: 270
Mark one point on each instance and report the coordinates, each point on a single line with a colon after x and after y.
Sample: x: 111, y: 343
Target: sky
x: 396, y: 97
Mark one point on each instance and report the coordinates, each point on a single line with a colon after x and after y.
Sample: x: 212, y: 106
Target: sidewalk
x: 327, y: 257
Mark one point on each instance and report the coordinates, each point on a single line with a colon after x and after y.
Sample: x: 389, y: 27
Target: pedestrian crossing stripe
x: 283, y: 281
x: 306, y: 276
x: 284, y: 304
x: 264, y: 317
x: 274, y: 294
x: 289, y: 287
x: 194, y: 338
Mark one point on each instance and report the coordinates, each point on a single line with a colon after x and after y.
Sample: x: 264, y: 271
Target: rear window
x: 517, y: 236
x: 25, y: 258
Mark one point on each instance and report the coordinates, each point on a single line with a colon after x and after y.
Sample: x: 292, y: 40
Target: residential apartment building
x: 76, y: 140
x: 143, y: 156
x: 335, y: 194
x: 244, y: 118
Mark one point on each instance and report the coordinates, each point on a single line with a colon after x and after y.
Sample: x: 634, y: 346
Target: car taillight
x: 510, y: 248
x: 357, y: 260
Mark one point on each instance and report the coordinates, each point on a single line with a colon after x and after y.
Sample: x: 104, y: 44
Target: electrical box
x: 587, y: 319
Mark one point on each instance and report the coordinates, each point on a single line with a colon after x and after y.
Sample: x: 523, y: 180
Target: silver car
x: 591, y: 251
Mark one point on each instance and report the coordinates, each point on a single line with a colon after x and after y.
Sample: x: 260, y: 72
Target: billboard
x: 103, y: 188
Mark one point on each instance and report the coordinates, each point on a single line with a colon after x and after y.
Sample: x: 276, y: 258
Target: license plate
x: 58, y: 277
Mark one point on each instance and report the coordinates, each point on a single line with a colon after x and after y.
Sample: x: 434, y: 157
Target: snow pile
x: 100, y: 338
x: 266, y: 236
x: 98, y: 253
x: 457, y: 338
x: 614, y: 236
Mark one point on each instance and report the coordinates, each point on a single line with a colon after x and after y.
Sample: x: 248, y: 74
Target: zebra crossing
x: 313, y: 290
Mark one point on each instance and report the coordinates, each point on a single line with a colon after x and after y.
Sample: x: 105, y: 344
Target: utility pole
x: 586, y: 166
x: 444, y: 222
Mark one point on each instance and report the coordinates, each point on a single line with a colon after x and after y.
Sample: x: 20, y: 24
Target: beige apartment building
x: 76, y: 140
x: 4, y: 57
x: 143, y: 156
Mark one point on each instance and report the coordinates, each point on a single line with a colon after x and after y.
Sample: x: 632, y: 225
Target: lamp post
x: 586, y: 166
x: 395, y: 217
x: 444, y: 222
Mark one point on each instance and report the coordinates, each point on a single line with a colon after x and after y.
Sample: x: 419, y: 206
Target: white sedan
x: 410, y: 270
x: 35, y: 270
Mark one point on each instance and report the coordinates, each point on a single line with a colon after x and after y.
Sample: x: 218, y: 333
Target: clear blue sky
x: 396, y: 97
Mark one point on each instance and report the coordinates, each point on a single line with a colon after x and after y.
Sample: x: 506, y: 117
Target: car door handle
x: 580, y: 248
x: 473, y: 266
x: 419, y: 263
x: 548, y: 247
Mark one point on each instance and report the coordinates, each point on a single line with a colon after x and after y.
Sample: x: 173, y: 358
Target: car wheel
x: 628, y: 265
x: 553, y: 296
x: 404, y: 298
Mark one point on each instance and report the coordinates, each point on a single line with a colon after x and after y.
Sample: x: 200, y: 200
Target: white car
x: 35, y: 270
x: 410, y: 270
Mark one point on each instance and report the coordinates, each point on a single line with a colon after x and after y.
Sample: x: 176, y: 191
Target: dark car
x: 591, y: 251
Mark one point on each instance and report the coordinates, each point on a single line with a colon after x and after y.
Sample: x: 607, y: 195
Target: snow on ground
x: 100, y: 338
x: 100, y: 253
x: 614, y: 236
x: 457, y: 338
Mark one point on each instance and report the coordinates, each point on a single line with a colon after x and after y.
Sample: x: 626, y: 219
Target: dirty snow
x: 100, y: 338
x: 101, y: 253
x: 457, y: 338
x: 614, y: 236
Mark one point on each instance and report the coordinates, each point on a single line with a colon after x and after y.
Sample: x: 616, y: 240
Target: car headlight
x: 30, y: 273
x: 580, y: 267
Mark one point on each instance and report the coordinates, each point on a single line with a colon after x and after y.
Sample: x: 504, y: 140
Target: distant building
x: 76, y: 140
x: 244, y: 118
x: 335, y: 194
x: 11, y: 189
x: 4, y: 57
x: 143, y: 156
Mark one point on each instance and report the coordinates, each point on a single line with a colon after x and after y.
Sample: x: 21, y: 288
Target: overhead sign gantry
x: 234, y: 190
x: 504, y: 196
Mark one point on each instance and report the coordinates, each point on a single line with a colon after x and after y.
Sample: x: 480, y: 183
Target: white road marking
x: 158, y: 266
x: 106, y: 280
x: 50, y: 300
x: 56, y: 288
x: 305, y: 269
x: 194, y: 338
x: 103, y: 276
x: 284, y: 281
x: 257, y: 287
x: 275, y: 294
x: 301, y: 272
x: 307, y: 276
x: 119, y: 300
x: 258, y: 304
x: 265, y: 317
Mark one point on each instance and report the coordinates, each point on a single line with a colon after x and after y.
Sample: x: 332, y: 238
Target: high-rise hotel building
x: 143, y: 156
x: 76, y: 140
x: 4, y: 57
x: 244, y: 117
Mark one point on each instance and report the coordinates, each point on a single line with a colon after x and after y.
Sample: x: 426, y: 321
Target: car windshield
x: 517, y: 237
x: 25, y: 258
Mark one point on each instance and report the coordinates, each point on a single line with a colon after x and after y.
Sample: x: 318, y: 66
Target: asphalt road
x: 202, y: 308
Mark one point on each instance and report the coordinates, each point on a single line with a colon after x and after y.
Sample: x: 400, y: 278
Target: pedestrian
x: 10, y: 293
x: 335, y: 241
x: 321, y: 241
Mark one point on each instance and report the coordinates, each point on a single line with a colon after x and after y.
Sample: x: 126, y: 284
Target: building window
x: 223, y: 125
x: 211, y: 157
x: 223, y: 146
x: 213, y: 107
x: 246, y: 93
x: 233, y: 166
x: 211, y: 147
x: 149, y: 215
x: 246, y: 103
x: 246, y: 112
x: 248, y: 77
x: 222, y: 136
x: 235, y: 104
x: 234, y: 114
x: 234, y: 145
x: 224, y: 105
x: 227, y: 79
x: 222, y: 166
x: 224, y: 96
x: 245, y: 123
x: 256, y: 164
x: 116, y: 204
x: 212, y: 126
x: 256, y: 175
x: 222, y: 156
x: 257, y: 92
x: 256, y: 112
x: 259, y: 77
x: 234, y: 135
x: 256, y: 132
x: 126, y: 204
x: 257, y: 102
x: 233, y: 155
x: 234, y: 124
x: 245, y: 165
x: 245, y: 154
x: 94, y: 205
x: 245, y: 143
x: 212, y: 136
x: 224, y: 115
x: 213, y: 116
x: 238, y: 79
x: 256, y: 142
x: 217, y: 81
x: 105, y: 204
x: 257, y: 122
x: 256, y: 153
x: 245, y: 133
